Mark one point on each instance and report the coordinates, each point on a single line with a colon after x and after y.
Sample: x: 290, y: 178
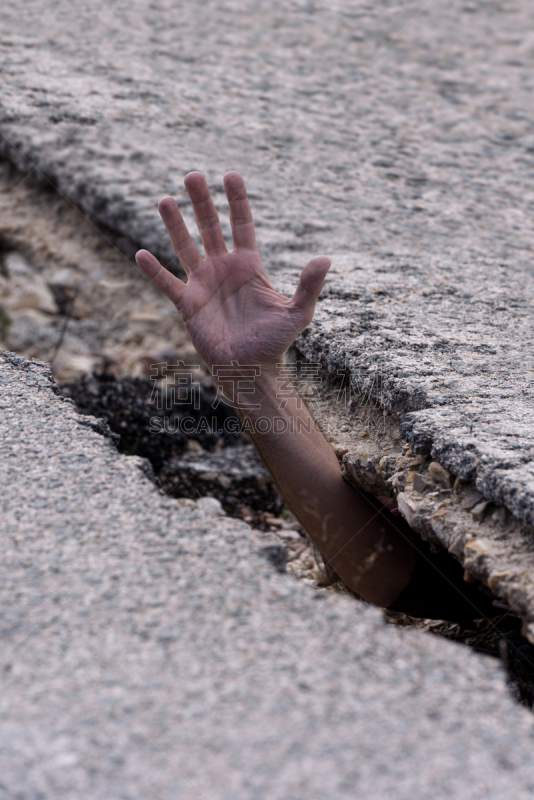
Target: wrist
x: 252, y: 386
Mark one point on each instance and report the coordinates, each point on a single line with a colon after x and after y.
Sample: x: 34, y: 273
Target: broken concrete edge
x: 485, y: 537
x: 34, y: 164
x: 492, y: 545
x: 358, y: 672
x: 271, y: 547
x: 44, y: 370
x: 379, y: 455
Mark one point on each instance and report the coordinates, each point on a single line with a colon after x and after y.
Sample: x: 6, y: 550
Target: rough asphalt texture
x: 399, y: 138
x: 147, y: 652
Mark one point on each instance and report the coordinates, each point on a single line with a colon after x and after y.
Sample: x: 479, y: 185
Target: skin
x: 233, y: 314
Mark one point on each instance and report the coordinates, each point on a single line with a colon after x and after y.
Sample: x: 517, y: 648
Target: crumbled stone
x: 472, y: 499
x: 210, y: 505
x: 479, y: 510
x: 421, y: 483
x: 439, y: 474
x: 236, y: 476
x: 406, y: 507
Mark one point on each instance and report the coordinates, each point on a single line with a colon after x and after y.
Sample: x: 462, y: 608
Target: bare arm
x: 234, y: 315
x: 364, y: 547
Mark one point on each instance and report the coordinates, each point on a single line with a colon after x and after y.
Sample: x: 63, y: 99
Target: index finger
x: 240, y: 213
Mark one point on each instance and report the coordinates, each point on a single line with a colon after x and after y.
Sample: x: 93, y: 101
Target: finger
x: 170, y: 285
x: 182, y: 243
x: 240, y: 213
x: 205, y: 214
x: 310, y: 285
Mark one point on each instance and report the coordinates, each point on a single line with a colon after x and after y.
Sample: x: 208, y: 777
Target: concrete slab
x: 396, y: 138
x: 151, y: 651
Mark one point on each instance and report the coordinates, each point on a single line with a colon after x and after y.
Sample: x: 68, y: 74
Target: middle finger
x: 205, y: 214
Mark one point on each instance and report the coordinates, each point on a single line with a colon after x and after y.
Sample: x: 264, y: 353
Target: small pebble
x: 212, y: 506
x: 439, y: 474
x: 421, y: 482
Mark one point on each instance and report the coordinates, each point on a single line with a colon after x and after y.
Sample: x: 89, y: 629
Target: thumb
x: 310, y: 285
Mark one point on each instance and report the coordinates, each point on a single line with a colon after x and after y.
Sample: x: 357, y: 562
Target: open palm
x: 230, y: 309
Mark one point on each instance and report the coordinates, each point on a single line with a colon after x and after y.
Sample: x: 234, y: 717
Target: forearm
x: 364, y: 548
x: 234, y: 315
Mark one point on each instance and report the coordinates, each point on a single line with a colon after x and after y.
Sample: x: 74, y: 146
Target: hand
x: 230, y: 309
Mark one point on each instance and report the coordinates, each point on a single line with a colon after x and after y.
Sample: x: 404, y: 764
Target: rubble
x: 235, y: 476
x: 493, y: 545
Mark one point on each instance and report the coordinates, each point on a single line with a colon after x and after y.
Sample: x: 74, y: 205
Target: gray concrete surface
x: 396, y: 137
x: 399, y: 139
x: 148, y: 652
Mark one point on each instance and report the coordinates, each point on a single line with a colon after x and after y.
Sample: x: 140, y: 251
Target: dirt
x: 194, y: 444
x: 72, y: 294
